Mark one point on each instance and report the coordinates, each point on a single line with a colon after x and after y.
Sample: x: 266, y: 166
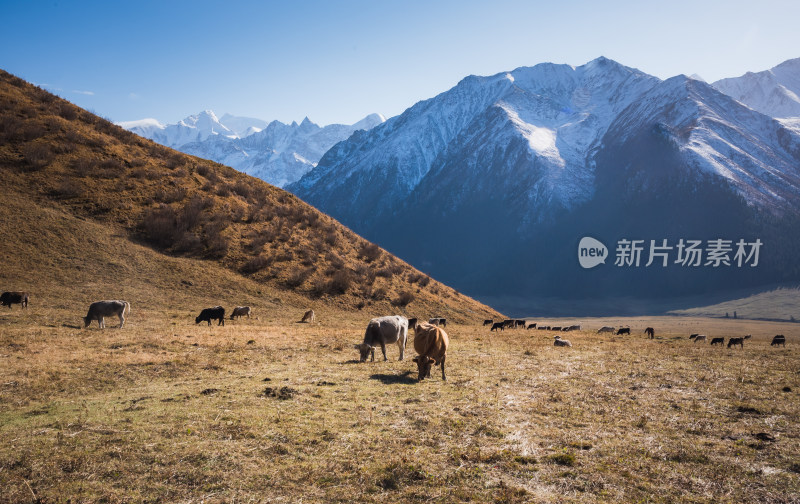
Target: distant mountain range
x: 275, y: 152
x: 491, y: 184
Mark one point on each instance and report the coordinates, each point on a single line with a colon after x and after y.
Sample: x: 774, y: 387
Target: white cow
x: 382, y: 331
x: 101, y: 309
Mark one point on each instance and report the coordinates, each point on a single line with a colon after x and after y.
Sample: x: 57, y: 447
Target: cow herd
x: 430, y: 339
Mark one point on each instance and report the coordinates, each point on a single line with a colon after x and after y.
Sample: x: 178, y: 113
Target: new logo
x: 591, y: 252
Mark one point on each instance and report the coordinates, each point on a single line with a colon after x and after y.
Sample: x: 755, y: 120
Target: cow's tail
x: 126, y: 310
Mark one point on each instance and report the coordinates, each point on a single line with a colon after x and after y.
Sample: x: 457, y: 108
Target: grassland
x: 269, y: 410
x: 776, y: 304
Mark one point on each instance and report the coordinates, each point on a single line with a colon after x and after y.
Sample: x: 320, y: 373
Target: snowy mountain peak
x: 276, y: 152
x: 775, y: 92
x: 369, y: 122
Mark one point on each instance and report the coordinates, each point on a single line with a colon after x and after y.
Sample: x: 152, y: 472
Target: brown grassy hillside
x: 90, y: 203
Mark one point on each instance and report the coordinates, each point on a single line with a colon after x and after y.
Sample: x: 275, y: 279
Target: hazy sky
x: 337, y: 61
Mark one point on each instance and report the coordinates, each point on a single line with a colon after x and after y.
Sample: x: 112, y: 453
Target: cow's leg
x: 101, y: 321
x: 383, y: 349
x: 121, y: 319
x: 401, y: 344
x: 444, y: 357
x: 372, y: 352
x: 221, y: 321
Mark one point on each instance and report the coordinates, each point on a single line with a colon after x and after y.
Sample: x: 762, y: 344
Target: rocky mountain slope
x: 502, y: 175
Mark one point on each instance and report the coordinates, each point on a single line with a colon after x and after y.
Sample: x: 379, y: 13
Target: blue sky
x: 337, y: 61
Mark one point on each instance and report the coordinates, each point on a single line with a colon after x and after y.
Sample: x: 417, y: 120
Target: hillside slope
x: 94, y: 209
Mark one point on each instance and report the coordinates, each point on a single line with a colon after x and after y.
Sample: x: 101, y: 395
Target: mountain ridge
x: 522, y: 153
x: 273, y: 151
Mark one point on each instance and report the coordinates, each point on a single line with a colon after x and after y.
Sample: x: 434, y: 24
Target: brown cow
x: 431, y: 343
x: 309, y: 316
x: 12, y: 297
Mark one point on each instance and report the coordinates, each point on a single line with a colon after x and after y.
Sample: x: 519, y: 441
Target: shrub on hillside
x: 370, y: 252
x: 403, y: 299
x: 299, y: 277
x: 37, y: 154
x: 255, y: 264
x: 160, y: 226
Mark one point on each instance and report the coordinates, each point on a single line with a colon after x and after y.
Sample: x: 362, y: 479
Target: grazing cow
x: 101, y: 309
x: 431, y: 343
x: 532, y: 325
x: 309, y: 316
x: 14, y: 297
x: 779, y: 339
x: 209, y: 314
x: 519, y: 323
x: 496, y: 326
x: 383, y: 331
x: 693, y: 336
x: 240, y: 311
x: 543, y: 328
x: 623, y: 330
x: 574, y: 327
x: 508, y: 324
x: 650, y: 332
x: 736, y: 341
x: 488, y: 322
x: 717, y: 341
x: 555, y: 328
x: 561, y: 342
x: 438, y: 321
x: 700, y: 337
x: 606, y: 329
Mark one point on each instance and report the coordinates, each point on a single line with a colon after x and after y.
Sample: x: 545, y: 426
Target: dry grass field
x: 269, y: 410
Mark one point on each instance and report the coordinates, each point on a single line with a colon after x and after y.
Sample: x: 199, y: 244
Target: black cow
x: 209, y: 314
x: 532, y: 325
x: 623, y: 330
x: 488, y: 321
x: 736, y: 341
x: 496, y: 326
x: 18, y: 297
x: 779, y: 339
x: 651, y: 332
x: 438, y: 321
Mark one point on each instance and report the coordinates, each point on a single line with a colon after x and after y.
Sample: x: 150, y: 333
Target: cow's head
x: 86, y: 321
x: 424, y: 364
x: 197, y: 320
x: 364, y: 350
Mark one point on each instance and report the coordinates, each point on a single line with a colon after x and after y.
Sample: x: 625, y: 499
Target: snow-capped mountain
x: 276, y: 152
x: 191, y: 129
x: 774, y: 92
x: 553, y: 151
